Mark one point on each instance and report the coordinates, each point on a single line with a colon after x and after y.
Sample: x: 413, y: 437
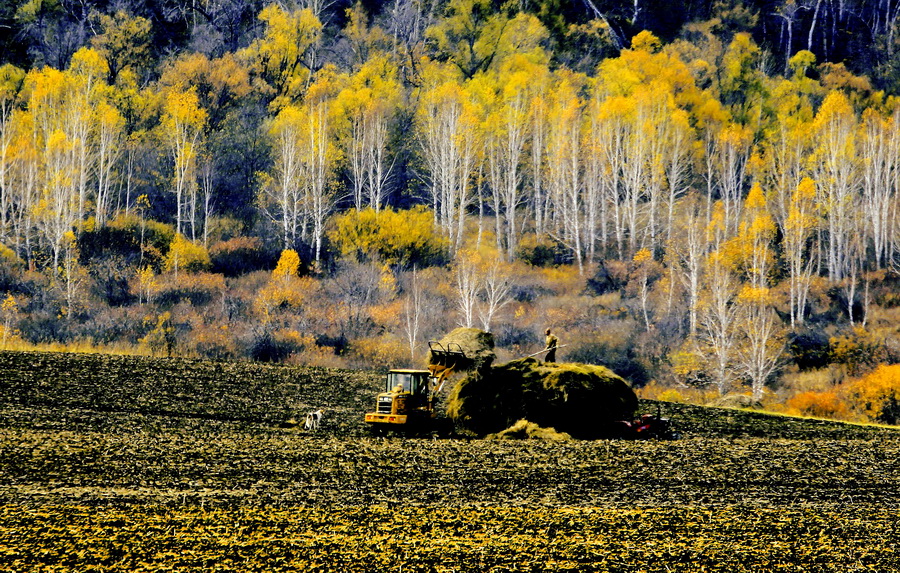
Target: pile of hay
x: 477, y: 345
x: 525, y: 430
x: 578, y: 399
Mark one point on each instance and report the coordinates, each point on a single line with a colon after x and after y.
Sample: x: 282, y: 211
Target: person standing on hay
x: 552, y: 343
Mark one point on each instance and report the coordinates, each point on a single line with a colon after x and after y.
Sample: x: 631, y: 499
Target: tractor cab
x: 406, y: 399
x: 414, y: 382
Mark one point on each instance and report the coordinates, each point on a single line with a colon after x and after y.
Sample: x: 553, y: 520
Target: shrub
x: 380, y: 352
x: 11, y: 268
x: 111, y: 276
x: 148, y: 238
x: 878, y: 394
x: 618, y: 355
x: 826, y: 404
x: 213, y: 342
x: 671, y: 395
x: 277, y: 346
x: 108, y: 241
x: 288, y: 266
x: 115, y: 325
x: 162, y: 336
x: 291, y: 295
x: 689, y: 366
x: 46, y: 324
x: 810, y: 348
x: 185, y: 255
x: 541, y: 251
x: 859, y: 350
x: 611, y: 276
x: 512, y: 335
x: 198, y: 289
x: 239, y: 256
x: 402, y: 238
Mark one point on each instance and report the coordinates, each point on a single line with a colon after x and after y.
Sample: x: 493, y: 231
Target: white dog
x: 313, y: 419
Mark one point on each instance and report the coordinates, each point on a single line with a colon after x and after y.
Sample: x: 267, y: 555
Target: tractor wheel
x: 377, y: 431
x: 444, y: 428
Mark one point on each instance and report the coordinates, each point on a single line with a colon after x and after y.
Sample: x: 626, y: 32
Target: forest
x: 702, y: 196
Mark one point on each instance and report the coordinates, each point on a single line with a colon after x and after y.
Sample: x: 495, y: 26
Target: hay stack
x: 525, y: 430
x: 578, y: 399
x: 477, y: 345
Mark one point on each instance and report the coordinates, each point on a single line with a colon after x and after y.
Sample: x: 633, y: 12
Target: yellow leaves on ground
x: 735, y: 538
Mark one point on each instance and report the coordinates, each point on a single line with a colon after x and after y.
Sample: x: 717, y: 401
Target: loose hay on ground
x: 581, y: 400
x: 525, y: 430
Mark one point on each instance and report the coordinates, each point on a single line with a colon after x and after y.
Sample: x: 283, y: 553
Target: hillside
x: 690, y: 191
x: 113, y: 463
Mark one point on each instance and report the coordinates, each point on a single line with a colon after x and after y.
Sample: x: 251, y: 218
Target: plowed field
x: 138, y: 464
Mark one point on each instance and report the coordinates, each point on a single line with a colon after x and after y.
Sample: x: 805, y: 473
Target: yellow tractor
x: 408, y: 401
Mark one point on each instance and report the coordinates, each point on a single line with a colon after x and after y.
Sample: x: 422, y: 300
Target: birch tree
x: 835, y: 170
x: 283, y: 199
x: 447, y: 134
x: 369, y: 104
x: 878, y: 141
x: 761, y: 341
x: 182, y: 127
x: 321, y: 155
x: 799, y: 230
x: 505, y: 129
x: 465, y: 272
x: 731, y: 152
x: 413, y: 308
x: 110, y: 130
x: 717, y: 313
x: 54, y: 169
x: 564, y: 167
x: 496, y: 284
x: 10, y: 83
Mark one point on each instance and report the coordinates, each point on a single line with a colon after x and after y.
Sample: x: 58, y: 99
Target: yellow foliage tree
x: 186, y: 255
x: 182, y: 126
x: 829, y: 404
x: 285, y: 54
x: 10, y: 310
x: 124, y: 42
x: 878, y: 394
x: 364, y: 110
x: 162, y: 335
x: 288, y: 266
x: 403, y: 238
x: 285, y: 291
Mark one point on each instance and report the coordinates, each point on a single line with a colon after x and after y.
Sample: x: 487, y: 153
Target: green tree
x: 125, y: 42
x: 284, y: 58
